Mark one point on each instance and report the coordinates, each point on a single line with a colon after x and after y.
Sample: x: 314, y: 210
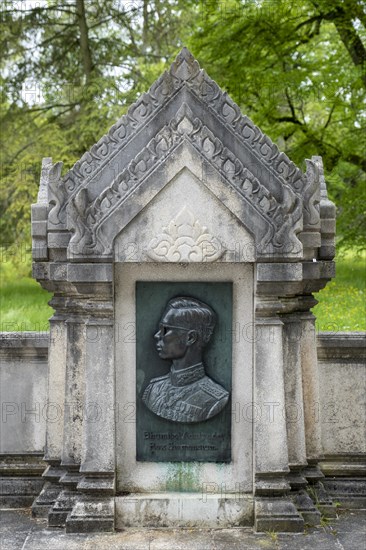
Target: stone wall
x: 23, y: 388
x: 23, y: 383
x: 342, y: 379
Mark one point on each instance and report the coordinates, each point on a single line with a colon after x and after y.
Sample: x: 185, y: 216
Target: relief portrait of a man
x: 186, y: 393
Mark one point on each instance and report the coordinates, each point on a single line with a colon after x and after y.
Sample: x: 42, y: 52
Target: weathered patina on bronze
x: 183, y: 414
x: 186, y: 393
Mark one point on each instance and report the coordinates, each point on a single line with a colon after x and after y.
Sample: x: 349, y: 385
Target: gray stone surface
x: 158, y: 477
x: 166, y: 221
x: 23, y: 391
x: 15, y: 528
x: 187, y: 188
x: 342, y: 375
x: 19, y: 532
x: 341, y: 363
x: 185, y: 121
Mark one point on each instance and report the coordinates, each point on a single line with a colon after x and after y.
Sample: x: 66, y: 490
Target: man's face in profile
x: 172, y: 338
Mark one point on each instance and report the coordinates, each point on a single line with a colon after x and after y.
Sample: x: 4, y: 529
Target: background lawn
x: 342, y: 303
x: 23, y: 303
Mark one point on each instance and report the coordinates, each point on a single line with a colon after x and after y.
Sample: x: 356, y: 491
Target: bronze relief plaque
x: 183, y: 356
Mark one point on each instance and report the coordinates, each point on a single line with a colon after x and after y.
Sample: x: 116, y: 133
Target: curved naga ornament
x: 78, y: 211
x: 312, y: 196
x: 56, y: 194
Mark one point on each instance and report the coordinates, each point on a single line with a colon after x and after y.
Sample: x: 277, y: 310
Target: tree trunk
x: 145, y: 28
x: 84, y: 40
x: 351, y: 40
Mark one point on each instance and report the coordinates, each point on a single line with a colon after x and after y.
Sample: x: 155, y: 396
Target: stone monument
x: 182, y: 252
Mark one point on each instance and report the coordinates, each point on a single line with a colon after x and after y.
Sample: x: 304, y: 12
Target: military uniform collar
x: 186, y: 376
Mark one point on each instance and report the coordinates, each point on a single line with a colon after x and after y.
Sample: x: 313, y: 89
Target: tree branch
x: 350, y: 39
x: 14, y: 157
x: 309, y: 21
x: 342, y: 20
x: 329, y: 118
x: 356, y: 160
x: 294, y: 120
x: 51, y: 38
x: 53, y: 106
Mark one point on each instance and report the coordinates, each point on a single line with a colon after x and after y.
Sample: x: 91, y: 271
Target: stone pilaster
x: 310, y: 391
x: 56, y: 403
x: 294, y: 410
x: 310, y: 378
x: 74, y: 411
x: 273, y: 508
x: 93, y: 509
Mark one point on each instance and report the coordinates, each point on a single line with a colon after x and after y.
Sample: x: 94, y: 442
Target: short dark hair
x: 195, y: 315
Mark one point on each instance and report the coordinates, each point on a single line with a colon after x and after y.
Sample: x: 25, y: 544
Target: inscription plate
x: 183, y: 356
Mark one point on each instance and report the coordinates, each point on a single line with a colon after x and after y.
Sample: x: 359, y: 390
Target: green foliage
x: 351, y: 222
x: 342, y: 303
x: 298, y: 70
x: 71, y: 69
x: 23, y: 303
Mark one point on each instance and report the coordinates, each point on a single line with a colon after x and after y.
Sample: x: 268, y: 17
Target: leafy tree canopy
x: 299, y: 70
x: 71, y: 68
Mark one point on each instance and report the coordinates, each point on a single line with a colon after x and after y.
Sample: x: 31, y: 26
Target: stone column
x: 310, y: 384
x: 294, y: 409
x: 273, y: 509
x: 74, y: 412
x: 310, y: 388
x: 93, y: 509
x: 55, y: 409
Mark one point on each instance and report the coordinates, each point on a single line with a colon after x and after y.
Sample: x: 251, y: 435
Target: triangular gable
x: 184, y: 104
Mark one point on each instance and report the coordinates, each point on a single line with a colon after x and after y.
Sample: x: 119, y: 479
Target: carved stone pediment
x: 184, y: 109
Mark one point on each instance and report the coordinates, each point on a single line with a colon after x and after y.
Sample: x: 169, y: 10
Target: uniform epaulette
x: 153, y: 380
x: 213, y: 389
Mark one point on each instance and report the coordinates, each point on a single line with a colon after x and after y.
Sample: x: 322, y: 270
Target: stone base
x: 91, y: 515
x: 19, y: 492
x: 183, y: 510
x: 20, y: 479
x: 271, y: 486
x: 50, y: 492
x: 345, y: 480
x: 349, y: 493
x: 278, y: 515
x: 63, y: 506
x: 305, y: 506
x: 323, y: 500
x: 46, y: 499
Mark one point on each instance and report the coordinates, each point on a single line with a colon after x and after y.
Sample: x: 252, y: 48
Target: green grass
x: 342, y: 303
x: 23, y: 303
